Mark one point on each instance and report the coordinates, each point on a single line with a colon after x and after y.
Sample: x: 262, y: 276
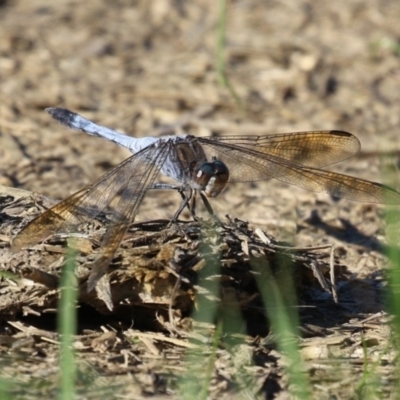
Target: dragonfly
x: 201, y: 165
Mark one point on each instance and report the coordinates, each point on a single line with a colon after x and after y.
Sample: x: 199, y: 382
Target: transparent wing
x: 246, y: 163
x: 129, y: 180
x: 312, y: 148
x: 128, y: 204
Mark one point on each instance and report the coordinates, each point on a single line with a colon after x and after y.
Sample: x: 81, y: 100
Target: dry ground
x: 148, y: 67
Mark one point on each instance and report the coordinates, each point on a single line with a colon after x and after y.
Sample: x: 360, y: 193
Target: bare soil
x: 148, y: 68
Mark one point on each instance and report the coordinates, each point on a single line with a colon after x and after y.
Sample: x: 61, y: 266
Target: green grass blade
x: 222, y: 77
x: 67, y: 327
x: 278, y: 291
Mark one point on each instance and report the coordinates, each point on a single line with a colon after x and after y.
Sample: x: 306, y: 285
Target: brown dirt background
x: 145, y: 66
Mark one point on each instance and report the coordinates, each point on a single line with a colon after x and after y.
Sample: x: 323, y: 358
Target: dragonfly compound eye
x: 211, y: 177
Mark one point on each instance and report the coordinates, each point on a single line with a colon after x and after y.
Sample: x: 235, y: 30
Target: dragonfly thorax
x: 211, y: 177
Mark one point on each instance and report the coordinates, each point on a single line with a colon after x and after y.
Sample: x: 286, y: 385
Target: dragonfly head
x: 211, y: 177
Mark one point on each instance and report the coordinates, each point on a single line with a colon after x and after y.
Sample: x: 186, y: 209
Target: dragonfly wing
x: 313, y: 148
x: 62, y: 217
x: 346, y: 186
x: 85, y: 204
x: 127, y: 207
x: 247, y: 164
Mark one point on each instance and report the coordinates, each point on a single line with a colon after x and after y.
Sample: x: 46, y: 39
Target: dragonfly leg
x: 209, y: 208
x: 207, y: 204
x: 161, y: 186
x: 185, y: 198
x: 186, y: 202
